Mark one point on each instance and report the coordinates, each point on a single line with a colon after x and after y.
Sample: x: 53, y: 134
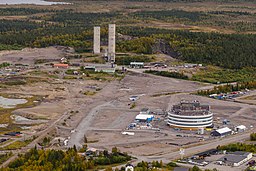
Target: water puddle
x: 11, y: 103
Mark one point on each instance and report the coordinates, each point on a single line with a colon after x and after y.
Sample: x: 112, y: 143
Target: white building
x: 96, y: 40
x: 222, y: 132
x: 236, y: 159
x: 240, y: 128
x: 136, y: 64
x: 134, y: 98
x: 190, y: 115
x: 128, y: 133
x: 144, y: 118
x: 129, y: 167
x: 111, y: 42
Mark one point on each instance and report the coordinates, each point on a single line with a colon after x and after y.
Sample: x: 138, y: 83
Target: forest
x: 228, y: 88
x: 226, y: 50
x: 238, y: 147
x: 69, y: 160
x: 159, y: 165
x: 74, y: 29
x: 239, y: 21
x: 169, y: 14
x: 168, y: 74
x: 216, y: 75
x: 126, y: 60
x: 22, y: 11
x: 253, y: 136
x: 193, y: 0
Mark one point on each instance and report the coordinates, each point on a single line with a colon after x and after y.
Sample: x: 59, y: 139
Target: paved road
x: 199, y: 148
x: 169, y: 155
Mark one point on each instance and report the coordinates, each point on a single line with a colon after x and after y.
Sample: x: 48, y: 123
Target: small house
x: 136, y: 64
x: 240, y: 128
x: 60, y: 66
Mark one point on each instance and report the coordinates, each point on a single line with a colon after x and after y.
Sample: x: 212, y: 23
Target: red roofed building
x: 60, y: 65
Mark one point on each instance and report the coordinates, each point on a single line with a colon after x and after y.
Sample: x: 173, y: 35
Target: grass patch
x: 90, y: 93
x: 212, y: 74
x: 103, y: 76
x: 106, y: 167
x: 68, y: 77
x: 8, y: 141
x: 253, y: 97
x: 21, y: 80
x: 133, y: 105
x: 42, y: 73
x: 97, y: 60
x: 126, y: 59
x: 238, y: 147
x: 6, y: 113
x: 167, y: 74
x: 164, y: 94
x: 16, y: 145
x: 93, y: 141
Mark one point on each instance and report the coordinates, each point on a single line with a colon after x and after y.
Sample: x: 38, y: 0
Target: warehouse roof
x: 235, y: 157
x: 136, y: 63
x: 61, y: 65
x: 241, y: 153
x: 232, y: 158
x: 144, y: 117
x: 144, y: 109
x: 223, y: 130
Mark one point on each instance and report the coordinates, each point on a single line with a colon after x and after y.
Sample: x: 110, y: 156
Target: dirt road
x: 76, y: 138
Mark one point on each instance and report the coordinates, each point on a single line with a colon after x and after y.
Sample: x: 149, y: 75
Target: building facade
x: 96, y: 40
x: 236, y: 158
x: 111, y: 42
x: 222, y: 132
x: 190, y: 115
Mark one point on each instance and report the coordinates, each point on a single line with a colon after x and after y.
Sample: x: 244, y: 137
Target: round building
x: 190, y: 115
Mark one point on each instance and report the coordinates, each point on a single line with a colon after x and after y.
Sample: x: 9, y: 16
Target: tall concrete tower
x: 111, y: 42
x: 96, y: 40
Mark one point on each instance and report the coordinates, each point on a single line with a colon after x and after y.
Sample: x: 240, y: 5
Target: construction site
x: 59, y: 106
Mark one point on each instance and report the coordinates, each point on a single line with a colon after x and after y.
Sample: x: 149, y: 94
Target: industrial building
x: 145, y: 111
x: 240, y: 128
x: 60, y: 66
x: 235, y: 159
x: 204, y: 154
x: 144, y: 118
x: 111, y: 42
x: 190, y: 115
x: 100, y: 68
x: 137, y: 64
x: 105, y: 68
x: 222, y: 132
x: 96, y: 40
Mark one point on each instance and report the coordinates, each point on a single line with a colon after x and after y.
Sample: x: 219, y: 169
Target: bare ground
x: 103, y: 116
